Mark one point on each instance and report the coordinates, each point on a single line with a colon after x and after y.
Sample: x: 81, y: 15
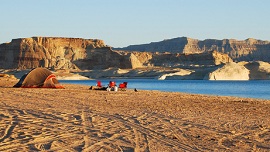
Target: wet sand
x: 79, y: 119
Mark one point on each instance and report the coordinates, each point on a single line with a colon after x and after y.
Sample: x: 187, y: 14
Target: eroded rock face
x: 246, y: 50
x: 63, y: 53
x: 258, y: 70
x: 188, y: 60
x: 49, y: 52
x: 229, y: 71
x: 103, y: 58
x: 170, y: 45
x: 84, y: 54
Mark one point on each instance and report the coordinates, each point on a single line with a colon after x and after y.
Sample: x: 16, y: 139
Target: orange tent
x: 39, y: 78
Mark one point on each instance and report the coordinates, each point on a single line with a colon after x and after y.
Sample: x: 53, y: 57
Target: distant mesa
x: 239, y: 50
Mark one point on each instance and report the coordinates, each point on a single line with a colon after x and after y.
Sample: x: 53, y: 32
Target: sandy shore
x: 79, y: 119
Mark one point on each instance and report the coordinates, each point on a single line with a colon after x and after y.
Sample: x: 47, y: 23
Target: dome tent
x: 39, y: 78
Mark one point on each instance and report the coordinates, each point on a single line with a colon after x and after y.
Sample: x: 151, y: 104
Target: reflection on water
x: 250, y: 89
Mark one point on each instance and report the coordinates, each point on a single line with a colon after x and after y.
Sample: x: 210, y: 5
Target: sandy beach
x: 79, y: 119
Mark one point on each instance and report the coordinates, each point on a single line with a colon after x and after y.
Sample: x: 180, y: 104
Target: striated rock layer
x: 62, y: 53
x: 92, y: 58
x: 246, y: 50
x: 45, y: 52
x: 84, y: 54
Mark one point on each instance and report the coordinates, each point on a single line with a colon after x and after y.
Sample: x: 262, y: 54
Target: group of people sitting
x: 112, y: 86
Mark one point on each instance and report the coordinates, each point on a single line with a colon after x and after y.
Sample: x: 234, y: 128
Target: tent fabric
x: 39, y: 78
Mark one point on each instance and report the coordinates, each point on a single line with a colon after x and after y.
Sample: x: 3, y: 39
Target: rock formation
x: 258, y: 70
x: 175, y: 75
x: 85, y: 54
x: 62, y: 53
x: 212, y: 58
x: 246, y: 50
x: 229, y: 71
x: 25, y: 53
x: 92, y: 58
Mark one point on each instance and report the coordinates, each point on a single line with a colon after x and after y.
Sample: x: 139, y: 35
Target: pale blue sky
x: 124, y: 22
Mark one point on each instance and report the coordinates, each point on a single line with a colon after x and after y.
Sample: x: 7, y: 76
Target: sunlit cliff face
x: 77, y: 53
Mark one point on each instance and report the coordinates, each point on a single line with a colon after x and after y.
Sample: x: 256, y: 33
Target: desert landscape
x: 210, y: 61
x: 79, y: 119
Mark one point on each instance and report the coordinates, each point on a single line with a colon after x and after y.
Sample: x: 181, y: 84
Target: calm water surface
x: 251, y: 89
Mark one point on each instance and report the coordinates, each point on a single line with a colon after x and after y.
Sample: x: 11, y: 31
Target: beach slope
x: 79, y: 119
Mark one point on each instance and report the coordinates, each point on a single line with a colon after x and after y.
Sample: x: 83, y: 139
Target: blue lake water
x: 250, y: 89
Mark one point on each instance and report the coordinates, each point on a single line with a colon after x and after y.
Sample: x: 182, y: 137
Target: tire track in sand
x: 10, y: 127
x: 86, y: 124
x: 150, y: 133
x: 27, y: 137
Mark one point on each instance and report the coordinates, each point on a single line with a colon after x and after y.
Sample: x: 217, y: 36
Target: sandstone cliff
x: 258, y: 70
x: 230, y: 71
x: 212, y: 58
x: 62, y: 53
x: 53, y: 52
x: 93, y: 59
x: 84, y: 54
x: 246, y: 50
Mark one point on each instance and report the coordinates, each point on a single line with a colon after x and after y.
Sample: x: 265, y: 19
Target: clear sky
x: 124, y: 22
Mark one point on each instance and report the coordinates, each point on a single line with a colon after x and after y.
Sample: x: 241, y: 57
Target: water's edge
x: 259, y: 89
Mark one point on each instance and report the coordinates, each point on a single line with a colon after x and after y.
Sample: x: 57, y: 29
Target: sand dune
x: 79, y: 119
